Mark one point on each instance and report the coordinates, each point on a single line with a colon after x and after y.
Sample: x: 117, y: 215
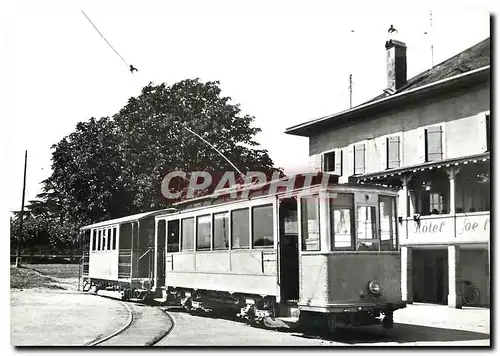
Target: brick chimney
x: 396, y: 64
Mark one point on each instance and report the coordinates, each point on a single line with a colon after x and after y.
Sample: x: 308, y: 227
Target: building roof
x: 473, y: 57
x: 126, y: 219
x: 468, y: 62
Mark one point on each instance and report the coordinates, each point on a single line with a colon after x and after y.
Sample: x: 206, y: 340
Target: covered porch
x: 443, y: 206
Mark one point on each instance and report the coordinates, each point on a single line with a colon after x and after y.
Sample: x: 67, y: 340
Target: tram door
x: 289, y: 251
x: 160, y: 250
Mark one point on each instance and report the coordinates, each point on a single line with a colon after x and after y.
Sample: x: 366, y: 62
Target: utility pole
x: 18, y: 251
x: 350, y: 91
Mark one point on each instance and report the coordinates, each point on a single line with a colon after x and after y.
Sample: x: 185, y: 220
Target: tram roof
x: 129, y: 218
x: 258, y: 189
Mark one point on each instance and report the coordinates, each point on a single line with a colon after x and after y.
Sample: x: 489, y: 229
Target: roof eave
x: 305, y: 128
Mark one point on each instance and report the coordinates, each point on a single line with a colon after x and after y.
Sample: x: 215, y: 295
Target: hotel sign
x: 471, y: 228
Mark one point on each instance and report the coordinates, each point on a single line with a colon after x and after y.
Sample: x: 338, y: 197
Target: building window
x: 188, y: 234
x: 173, y: 236
x: 433, y: 144
x: 332, y: 162
x: 393, y: 152
x: 262, y: 226
x: 99, y: 241
x: 309, y: 211
x: 436, y: 203
x: 359, y: 158
x: 221, y: 231
x: 329, y: 162
x: 341, y: 220
x: 488, y: 133
x: 203, y: 232
x: 240, y: 232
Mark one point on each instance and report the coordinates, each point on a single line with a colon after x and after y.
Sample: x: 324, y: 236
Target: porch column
x: 406, y: 274
x: 454, y: 292
x: 404, y: 202
x: 451, y: 175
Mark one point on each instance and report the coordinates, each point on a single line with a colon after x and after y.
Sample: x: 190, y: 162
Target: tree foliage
x: 114, y: 166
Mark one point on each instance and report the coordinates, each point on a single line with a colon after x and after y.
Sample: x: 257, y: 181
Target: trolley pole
x: 18, y: 250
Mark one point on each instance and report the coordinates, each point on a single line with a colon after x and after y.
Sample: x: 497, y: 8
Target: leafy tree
x: 111, y: 167
x: 156, y: 143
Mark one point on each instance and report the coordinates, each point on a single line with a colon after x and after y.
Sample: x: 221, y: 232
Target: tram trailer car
x: 327, y: 253
x: 120, y: 259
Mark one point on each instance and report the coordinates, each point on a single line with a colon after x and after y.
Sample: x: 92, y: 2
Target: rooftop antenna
x: 350, y: 91
x: 431, y: 35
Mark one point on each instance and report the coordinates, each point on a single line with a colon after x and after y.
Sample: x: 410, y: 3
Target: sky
x: 284, y: 62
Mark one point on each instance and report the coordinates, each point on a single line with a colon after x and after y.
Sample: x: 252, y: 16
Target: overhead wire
x: 104, y: 38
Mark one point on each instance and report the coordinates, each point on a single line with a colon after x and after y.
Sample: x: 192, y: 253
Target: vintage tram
x: 119, y: 262
x: 324, y: 251
x: 301, y: 247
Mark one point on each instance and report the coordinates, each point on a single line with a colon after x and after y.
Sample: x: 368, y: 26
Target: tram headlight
x: 375, y: 287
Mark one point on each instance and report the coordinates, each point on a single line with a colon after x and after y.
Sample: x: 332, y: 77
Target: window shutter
x: 421, y: 144
x: 483, y: 132
x: 393, y: 153
x: 434, y: 143
x: 359, y: 159
x: 350, y: 160
x: 383, y: 153
x: 316, y: 162
x: 338, y: 162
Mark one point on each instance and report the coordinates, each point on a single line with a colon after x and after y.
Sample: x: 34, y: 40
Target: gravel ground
x: 66, y: 318
x: 417, y: 325
x: 54, y: 318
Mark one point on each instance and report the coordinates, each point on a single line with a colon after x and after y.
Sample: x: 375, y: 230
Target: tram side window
x: 240, y: 232
x: 94, y: 240
x: 104, y: 238
x: 221, y: 231
x: 367, y: 232
x: 309, y: 209
x: 387, y: 209
x: 203, y: 232
x: 342, y: 221
x: 99, y: 241
x: 114, y: 238
x: 173, y: 236
x: 262, y: 226
x: 188, y: 234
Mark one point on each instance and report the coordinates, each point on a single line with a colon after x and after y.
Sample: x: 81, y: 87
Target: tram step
x: 282, y: 323
x: 289, y: 311
x: 109, y: 294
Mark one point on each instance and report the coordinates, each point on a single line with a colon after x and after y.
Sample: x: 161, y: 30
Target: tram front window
x: 310, y: 223
x: 342, y: 212
x: 387, y: 211
x: 367, y: 228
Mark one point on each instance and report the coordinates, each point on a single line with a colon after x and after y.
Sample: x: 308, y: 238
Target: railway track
x: 145, y: 326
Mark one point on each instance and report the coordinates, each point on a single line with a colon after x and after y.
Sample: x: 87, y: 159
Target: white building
x: 429, y: 136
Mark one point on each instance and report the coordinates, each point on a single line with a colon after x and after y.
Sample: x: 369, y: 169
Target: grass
x: 42, y: 276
